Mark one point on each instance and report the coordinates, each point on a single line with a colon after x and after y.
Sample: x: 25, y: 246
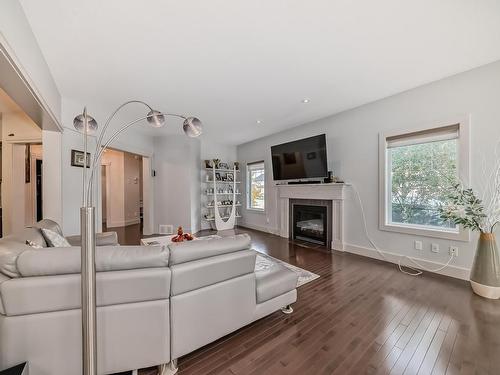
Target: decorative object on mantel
x: 85, y: 124
x: 466, y: 209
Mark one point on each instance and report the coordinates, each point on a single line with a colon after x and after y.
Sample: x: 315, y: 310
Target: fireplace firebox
x: 310, y: 223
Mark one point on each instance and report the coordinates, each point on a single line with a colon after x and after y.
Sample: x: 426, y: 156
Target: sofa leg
x: 135, y: 372
x: 287, y: 309
x: 168, y: 368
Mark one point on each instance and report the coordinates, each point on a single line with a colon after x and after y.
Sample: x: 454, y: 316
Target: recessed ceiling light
x: 305, y: 100
x: 259, y: 121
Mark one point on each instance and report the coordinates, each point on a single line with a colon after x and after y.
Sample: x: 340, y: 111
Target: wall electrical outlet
x: 418, y: 245
x: 435, y: 248
x: 454, y: 251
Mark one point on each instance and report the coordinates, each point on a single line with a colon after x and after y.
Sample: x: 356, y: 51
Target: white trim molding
x: 463, y: 123
x: 452, y: 271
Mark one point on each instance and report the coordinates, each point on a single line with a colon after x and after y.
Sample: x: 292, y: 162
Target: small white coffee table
x: 167, y: 240
x: 158, y: 241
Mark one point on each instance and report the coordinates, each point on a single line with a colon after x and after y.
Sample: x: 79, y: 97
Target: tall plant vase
x: 485, y: 273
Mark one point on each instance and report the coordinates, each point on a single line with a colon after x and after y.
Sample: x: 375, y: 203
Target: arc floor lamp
x: 87, y: 125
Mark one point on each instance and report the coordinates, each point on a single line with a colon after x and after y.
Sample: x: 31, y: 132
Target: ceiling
x: 233, y: 62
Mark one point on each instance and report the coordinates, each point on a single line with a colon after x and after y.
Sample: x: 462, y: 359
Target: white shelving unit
x: 224, y: 194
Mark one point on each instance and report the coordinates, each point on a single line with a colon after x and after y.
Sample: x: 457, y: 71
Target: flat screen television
x: 301, y: 159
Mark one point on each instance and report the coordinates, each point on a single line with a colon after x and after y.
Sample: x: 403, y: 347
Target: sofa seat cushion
x: 274, y: 281
x: 66, y: 260
x: 33, y: 295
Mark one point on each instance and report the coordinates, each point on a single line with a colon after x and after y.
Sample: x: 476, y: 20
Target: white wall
x: 177, y: 183
x: 352, y: 138
x: 52, y: 175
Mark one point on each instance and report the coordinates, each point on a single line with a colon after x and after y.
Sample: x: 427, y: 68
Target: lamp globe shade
x: 79, y: 123
x: 192, y: 127
x: 156, y: 119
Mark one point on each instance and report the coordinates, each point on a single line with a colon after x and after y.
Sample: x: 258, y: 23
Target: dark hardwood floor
x: 361, y: 316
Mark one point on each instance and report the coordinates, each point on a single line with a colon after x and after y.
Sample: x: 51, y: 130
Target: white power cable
x: 416, y: 271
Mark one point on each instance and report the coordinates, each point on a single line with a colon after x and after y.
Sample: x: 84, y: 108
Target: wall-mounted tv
x: 301, y: 159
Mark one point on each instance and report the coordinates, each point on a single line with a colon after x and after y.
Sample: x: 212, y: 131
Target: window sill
x: 462, y: 235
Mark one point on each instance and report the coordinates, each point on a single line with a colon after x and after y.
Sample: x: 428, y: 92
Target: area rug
x: 264, y: 262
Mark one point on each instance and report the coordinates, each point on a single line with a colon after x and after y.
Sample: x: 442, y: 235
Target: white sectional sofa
x: 155, y: 304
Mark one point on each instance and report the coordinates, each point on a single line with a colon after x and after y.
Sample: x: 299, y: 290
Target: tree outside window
x: 420, y: 177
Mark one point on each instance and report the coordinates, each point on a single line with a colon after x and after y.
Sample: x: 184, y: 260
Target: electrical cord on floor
x: 413, y: 270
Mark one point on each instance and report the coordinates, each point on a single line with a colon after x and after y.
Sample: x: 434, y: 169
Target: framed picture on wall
x: 77, y: 159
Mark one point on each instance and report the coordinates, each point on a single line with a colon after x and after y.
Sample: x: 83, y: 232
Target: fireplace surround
x: 332, y: 193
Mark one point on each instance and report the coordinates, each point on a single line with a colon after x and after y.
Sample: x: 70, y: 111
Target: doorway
x: 122, y: 193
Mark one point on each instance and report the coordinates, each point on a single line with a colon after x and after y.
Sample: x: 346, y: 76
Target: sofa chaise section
x: 215, y: 291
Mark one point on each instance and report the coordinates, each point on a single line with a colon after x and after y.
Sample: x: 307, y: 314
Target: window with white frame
x: 255, y: 186
x: 418, y: 169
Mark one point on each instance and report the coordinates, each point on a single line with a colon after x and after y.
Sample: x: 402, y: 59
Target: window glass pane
x: 420, y: 176
x: 256, y: 177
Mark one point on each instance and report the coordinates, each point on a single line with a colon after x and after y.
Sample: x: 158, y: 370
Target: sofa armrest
x: 102, y: 239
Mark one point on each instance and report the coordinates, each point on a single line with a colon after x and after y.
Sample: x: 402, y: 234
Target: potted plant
x: 466, y: 209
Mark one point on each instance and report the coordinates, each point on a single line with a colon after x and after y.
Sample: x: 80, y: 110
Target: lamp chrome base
x: 288, y: 309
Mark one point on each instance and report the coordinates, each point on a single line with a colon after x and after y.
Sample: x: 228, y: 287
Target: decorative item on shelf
x: 223, y: 166
x: 466, y: 209
x: 88, y: 126
x: 208, y: 164
x: 237, y: 165
x: 230, y: 177
x: 216, y: 163
x: 217, y: 176
x: 181, y: 236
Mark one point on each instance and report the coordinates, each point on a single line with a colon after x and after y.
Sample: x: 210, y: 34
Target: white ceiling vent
x: 166, y: 229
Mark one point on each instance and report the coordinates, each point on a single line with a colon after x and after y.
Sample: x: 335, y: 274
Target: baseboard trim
x: 260, y: 229
x: 452, y: 271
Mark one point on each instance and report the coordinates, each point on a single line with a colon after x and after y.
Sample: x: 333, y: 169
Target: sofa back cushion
x: 194, y: 250
x: 66, y: 260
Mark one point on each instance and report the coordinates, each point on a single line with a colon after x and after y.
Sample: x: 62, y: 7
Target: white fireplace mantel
x: 333, y: 192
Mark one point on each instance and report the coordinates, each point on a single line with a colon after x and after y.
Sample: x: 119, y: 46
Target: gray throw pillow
x: 54, y: 239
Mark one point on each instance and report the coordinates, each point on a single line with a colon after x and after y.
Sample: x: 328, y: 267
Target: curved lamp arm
x: 100, y: 148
